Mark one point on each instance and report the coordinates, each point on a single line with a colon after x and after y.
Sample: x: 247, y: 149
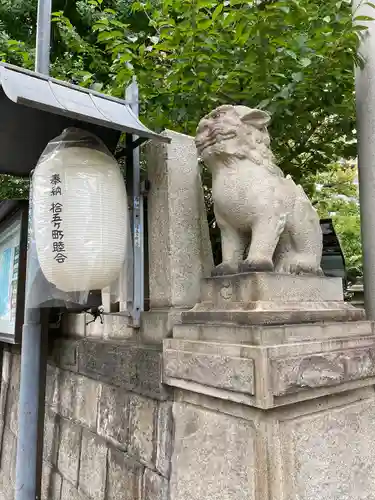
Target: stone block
x: 271, y: 299
x: 224, y: 366
x: 164, y: 438
x: 64, y: 396
x: 70, y: 492
x: 51, y: 483
x: 321, y: 369
x: 113, y: 415
x: 94, y: 329
x: 86, y: 401
x: 51, y: 436
x: 132, y: 367
x: 118, y: 327
x: 6, y: 366
x: 158, y: 324
x: 124, y: 477
x: 74, y: 324
x: 269, y: 335
x: 329, y: 454
x: 142, y: 428
x: 252, y: 287
x: 273, y: 313
x: 51, y: 384
x: 13, y: 394
x: 177, y: 221
x: 93, y: 466
x: 8, y: 457
x: 3, y: 401
x: 214, y: 456
x: 64, y: 354
x: 12, y: 409
x: 155, y: 487
x: 315, y: 361
x: 69, y: 449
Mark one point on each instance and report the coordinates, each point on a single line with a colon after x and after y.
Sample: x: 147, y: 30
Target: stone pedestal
x: 179, y: 247
x: 272, y: 409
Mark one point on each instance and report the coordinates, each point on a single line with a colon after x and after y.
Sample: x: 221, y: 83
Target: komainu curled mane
x: 253, y: 200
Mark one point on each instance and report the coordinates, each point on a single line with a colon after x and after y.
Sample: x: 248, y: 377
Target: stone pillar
x: 273, y: 399
x: 365, y: 97
x: 180, y: 252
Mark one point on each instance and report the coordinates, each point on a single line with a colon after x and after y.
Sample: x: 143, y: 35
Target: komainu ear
x: 255, y: 117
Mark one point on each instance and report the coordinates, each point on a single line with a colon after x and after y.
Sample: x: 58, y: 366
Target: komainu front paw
x: 224, y: 269
x: 261, y: 266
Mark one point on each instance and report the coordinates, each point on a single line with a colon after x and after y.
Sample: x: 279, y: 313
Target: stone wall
x: 108, y: 420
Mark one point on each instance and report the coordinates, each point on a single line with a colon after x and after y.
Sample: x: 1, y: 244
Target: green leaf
x: 305, y: 62
x: 206, y: 23
x: 217, y: 11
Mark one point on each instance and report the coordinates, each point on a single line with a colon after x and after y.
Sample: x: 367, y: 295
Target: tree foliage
x: 336, y: 197
x: 294, y: 58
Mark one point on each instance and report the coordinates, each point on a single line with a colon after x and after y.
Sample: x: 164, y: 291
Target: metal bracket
x: 132, y: 95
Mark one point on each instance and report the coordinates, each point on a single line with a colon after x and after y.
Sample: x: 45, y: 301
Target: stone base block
x: 271, y: 366
x: 270, y: 298
x: 317, y: 450
x: 250, y: 287
x: 158, y: 324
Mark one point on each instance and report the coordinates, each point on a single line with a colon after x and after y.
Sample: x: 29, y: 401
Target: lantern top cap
x: 43, y: 92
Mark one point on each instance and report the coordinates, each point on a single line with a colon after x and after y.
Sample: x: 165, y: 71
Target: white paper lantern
x: 80, y: 218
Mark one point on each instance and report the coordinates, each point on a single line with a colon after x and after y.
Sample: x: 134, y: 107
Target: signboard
x: 333, y: 261
x: 13, y: 249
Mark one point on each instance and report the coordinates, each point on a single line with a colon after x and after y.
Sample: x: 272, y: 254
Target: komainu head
x: 234, y: 132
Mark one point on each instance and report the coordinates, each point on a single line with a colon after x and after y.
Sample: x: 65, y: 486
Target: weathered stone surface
x: 118, y: 327
x: 6, y: 366
x: 93, y: 468
x: 293, y: 374
x: 8, y: 457
x: 251, y: 287
x: 177, y: 221
x: 164, y: 438
x: 214, y: 456
x: 271, y: 313
x: 69, y: 449
x: 51, y: 384
x: 330, y: 455
x: 141, y: 429
x: 64, y: 396
x: 86, y: 401
x: 124, y: 477
x: 69, y: 492
x: 51, y: 436
x: 264, y: 217
x: 74, y: 324
x: 158, y: 324
x: 51, y: 483
x: 13, y: 394
x: 3, y: 400
x: 155, y: 487
x: 213, y: 367
x: 133, y: 368
x: 113, y: 417
x: 64, y: 354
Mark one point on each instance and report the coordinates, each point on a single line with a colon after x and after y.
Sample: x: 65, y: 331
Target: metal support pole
x: 132, y: 96
x: 43, y: 37
x: 34, y: 340
x: 365, y: 97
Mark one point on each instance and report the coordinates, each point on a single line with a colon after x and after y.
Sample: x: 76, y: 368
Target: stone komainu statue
x: 253, y: 201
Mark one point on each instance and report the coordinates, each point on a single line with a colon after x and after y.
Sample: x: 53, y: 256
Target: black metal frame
x: 17, y: 210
